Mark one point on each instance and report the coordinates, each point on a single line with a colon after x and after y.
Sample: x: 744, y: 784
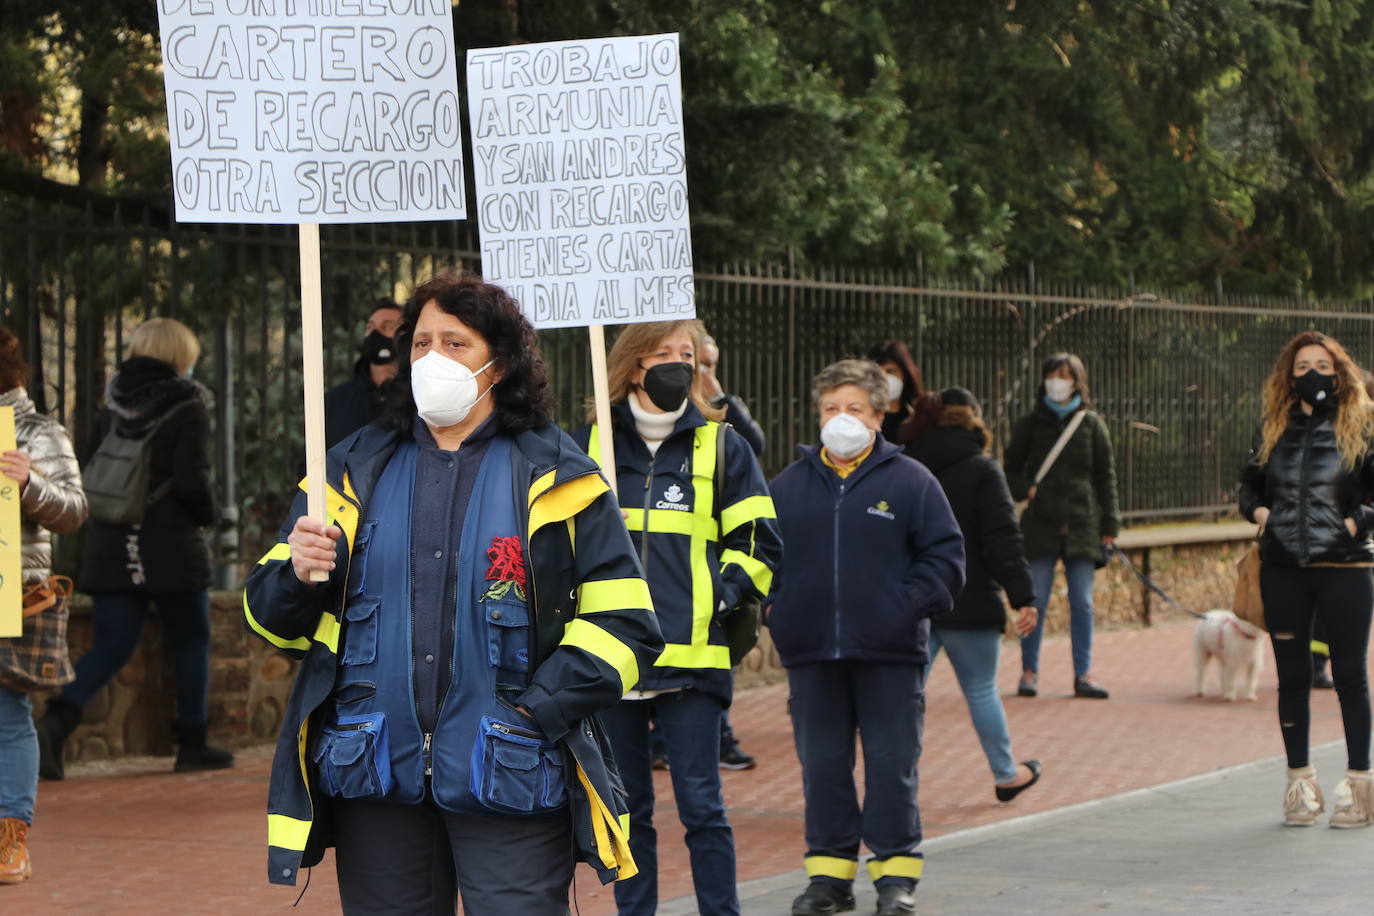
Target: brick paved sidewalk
x: 141, y: 840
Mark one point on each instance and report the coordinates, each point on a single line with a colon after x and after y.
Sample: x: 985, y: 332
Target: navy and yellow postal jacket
x: 700, y: 549
x: 550, y: 612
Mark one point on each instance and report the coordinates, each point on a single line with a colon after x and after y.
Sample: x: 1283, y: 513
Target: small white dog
x: 1238, y: 647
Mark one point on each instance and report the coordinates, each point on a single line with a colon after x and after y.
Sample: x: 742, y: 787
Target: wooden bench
x: 1144, y: 539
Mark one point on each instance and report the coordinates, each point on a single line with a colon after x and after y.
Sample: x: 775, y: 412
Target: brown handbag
x: 1249, y: 606
x: 38, y: 659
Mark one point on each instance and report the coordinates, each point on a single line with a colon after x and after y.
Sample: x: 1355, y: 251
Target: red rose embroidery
x: 507, y: 569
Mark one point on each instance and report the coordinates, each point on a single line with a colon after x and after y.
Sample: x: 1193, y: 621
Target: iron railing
x: 1177, y: 381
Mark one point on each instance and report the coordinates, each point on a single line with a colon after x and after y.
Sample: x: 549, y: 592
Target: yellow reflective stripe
x: 612, y: 843
x: 624, y: 820
x: 327, y: 632
x: 301, y: 644
x: 831, y: 867
x: 759, y: 574
x: 287, y: 832
x: 613, y: 595
x: 1321, y: 648
x: 704, y: 466
x: 748, y: 509
x: 280, y: 551
x: 669, y: 521
x: 676, y: 655
x: 594, y: 446
x: 341, y: 511
x: 599, y: 643
x: 539, y: 486
x: 897, y: 867
x: 562, y: 502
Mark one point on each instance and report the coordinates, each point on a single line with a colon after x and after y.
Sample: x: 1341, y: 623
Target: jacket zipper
x: 836, y: 572
x: 514, y: 730
x: 353, y: 726
x: 648, y: 496
x: 425, y: 755
x: 1302, y: 492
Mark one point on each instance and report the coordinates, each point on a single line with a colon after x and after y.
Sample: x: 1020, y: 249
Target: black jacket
x: 995, y: 557
x: 1309, y: 495
x: 168, y: 552
x: 353, y: 404
x: 737, y: 415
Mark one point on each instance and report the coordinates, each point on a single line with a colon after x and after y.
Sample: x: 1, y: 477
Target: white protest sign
x: 581, y: 175
x: 312, y: 111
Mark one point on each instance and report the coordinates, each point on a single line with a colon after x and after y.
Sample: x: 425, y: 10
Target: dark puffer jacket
x: 995, y: 557
x: 168, y: 552
x: 1075, y: 506
x: 1310, y: 494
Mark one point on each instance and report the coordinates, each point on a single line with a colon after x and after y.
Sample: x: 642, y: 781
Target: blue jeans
x: 690, y: 723
x: 118, y: 618
x: 974, y: 655
x: 18, y: 756
x: 1079, y: 574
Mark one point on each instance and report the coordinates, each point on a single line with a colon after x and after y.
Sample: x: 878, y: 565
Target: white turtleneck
x: 654, y: 427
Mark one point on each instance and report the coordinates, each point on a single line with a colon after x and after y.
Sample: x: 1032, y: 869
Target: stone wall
x: 249, y: 681
x: 249, y: 684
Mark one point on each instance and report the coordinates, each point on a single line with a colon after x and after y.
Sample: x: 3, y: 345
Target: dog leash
x: 1146, y: 581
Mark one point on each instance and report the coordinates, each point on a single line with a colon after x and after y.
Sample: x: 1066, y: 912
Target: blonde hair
x: 165, y: 339
x: 1354, y: 410
x: 637, y: 341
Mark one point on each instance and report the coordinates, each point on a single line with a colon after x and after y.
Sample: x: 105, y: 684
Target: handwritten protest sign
x: 580, y: 168
x: 11, y: 540
x: 312, y: 111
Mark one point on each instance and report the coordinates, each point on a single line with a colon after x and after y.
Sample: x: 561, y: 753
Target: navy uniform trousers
x: 885, y: 704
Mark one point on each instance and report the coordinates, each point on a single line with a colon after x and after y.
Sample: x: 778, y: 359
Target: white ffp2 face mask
x: 445, y: 390
x: 845, y: 436
x: 894, y: 387
x: 1059, y: 389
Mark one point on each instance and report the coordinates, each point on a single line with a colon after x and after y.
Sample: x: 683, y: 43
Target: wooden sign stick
x: 601, y: 393
x: 312, y: 365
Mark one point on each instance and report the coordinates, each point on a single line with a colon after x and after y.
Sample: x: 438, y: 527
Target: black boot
x: 59, y: 720
x: 1320, y: 679
x: 194, y: 754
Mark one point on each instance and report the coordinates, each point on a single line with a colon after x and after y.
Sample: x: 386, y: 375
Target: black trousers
x: 412, y: 860
x: 1342, y: 598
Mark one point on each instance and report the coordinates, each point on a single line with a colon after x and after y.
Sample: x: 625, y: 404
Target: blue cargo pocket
x: 360, y: 634
x: 358, y: 560
x: 516, y: 771
x: 508, y: 642
x: 353, y: 757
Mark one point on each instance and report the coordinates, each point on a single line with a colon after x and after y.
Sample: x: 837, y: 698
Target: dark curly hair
x: 521, y: 398
x: 14, y: 368
x: 921, y: 406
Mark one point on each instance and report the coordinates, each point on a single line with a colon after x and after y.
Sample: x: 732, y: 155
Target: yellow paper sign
x: 11, y: 535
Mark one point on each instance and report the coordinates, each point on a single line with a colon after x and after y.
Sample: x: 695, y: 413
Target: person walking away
x: 483, y: 605
x: 910, y: 409
x: 701, y: 518
x: 956, y: 450
x: 873, y: 553
x: 162, y: 561
x: 51, y: 501
x: 1072, y: 513
x: 1308, y: 485
x: 355, y: 403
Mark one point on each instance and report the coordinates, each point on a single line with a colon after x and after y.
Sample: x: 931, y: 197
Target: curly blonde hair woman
x: 1308, y: 486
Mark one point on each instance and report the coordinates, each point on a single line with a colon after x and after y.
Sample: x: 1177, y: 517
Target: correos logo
x: 672, y: 499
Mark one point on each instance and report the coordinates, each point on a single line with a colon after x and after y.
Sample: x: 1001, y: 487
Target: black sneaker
x: 1088, y: 688
x: 1029, y: 685
x: 732, y: 758
x: 896, y: 901
x: 820, y: 899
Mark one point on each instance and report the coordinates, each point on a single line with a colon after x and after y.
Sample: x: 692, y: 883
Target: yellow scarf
x: 844, y: 470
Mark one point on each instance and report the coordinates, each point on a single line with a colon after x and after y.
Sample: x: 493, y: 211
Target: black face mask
x: 378, y: 349
x: 667, y: 384
x: 1315, y: 388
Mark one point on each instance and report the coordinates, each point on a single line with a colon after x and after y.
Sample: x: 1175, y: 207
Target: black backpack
x: 116, y: 477
x: 741, y: 622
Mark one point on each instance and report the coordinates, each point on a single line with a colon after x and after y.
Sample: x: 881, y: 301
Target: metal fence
x: 1177, y: 382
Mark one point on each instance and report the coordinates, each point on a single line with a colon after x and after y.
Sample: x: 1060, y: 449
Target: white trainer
x: 1353, y: 805
x: 1302, y: 801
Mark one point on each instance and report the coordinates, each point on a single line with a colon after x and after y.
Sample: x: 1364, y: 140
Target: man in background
x: 358, y: 401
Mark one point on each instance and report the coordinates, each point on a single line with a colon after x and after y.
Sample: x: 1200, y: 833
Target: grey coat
x: 53, y: 501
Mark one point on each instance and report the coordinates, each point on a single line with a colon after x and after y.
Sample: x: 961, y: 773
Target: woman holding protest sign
x: 44, y: 469
x: 483, y: 607
x: 702, y: 520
